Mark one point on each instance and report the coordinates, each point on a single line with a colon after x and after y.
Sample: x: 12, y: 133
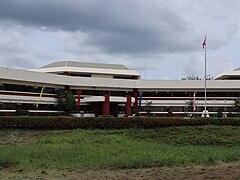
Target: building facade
x: 112, y: 89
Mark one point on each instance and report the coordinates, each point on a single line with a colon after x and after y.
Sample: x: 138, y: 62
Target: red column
x: 78, y: 102
x: 66, y: 73
x: 67, y: 89
x: 106, y: 104
x: 135, y: 94
x: 128, y: 106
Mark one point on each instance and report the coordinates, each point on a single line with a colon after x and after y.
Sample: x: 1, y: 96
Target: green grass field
x: 132, y: 148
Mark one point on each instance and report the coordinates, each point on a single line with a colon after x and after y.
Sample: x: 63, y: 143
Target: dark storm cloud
x: 18, y: 63
x: 155, y: 36
x: 127, y: 27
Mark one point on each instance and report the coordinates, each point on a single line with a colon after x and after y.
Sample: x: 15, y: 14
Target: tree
x: 237, y: 104
x: 190, y: 105
x: 148, y: 106
x: 70, y: 102
x: 192, y: 77
x: 61, y: 99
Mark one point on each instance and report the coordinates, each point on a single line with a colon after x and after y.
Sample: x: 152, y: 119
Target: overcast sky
x: 161, y: 39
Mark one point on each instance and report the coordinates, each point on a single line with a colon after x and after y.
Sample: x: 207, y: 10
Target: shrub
x: 67, y: 122
x: 219, y: 114
x: 22, y: 112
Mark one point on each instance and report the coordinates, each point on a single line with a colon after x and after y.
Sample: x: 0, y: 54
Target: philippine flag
x: 204, y: 43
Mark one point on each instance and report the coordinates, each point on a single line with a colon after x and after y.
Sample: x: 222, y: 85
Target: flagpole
x: 205, y: 107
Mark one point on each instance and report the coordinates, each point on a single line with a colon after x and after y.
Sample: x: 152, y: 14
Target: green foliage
x: 190, y: 105
x: 226, y: 136
x: 61, y: 99
x: 67, y: 122
x: 219, y: 114
x: 133, y: 148
x: 70, y: 103
x: 192, y: 77
x: 237, y: 104
x: 148, y: 106
x: 22, y: 112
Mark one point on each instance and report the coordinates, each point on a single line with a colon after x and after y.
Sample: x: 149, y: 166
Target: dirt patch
x: 219, y: 172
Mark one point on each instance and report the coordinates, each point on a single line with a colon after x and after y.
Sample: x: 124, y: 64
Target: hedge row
x: 44, y: 122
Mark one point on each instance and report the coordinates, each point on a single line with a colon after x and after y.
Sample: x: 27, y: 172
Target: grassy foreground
x: 132, y: 148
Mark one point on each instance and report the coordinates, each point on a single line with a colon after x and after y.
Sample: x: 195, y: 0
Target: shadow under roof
x: 85, y: 65
x: 238, y: 69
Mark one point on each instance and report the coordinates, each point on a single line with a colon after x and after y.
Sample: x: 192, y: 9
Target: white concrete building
x: 111, y: 89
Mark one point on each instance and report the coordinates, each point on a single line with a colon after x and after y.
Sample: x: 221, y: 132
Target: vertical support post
x: 128, y: 106
x: 78, y: 102
x: 67, y: 89
x: 140, y: 102
x: 106, y: 104
x: 135, y: 95
x: 66, y: 73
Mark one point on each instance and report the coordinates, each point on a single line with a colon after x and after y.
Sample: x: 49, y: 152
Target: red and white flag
x: 194, y: 102
x: 204, y: 43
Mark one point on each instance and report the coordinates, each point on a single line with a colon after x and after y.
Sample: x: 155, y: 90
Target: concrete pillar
x: 67, y: 88
x: 135, y: 95
x: 128, y: 106
x: 106, y: 104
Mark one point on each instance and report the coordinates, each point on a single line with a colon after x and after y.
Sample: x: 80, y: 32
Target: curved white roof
x: 85, y: 65
x: 87, y: 68
x: 17, y: 76
x: 229, y: 75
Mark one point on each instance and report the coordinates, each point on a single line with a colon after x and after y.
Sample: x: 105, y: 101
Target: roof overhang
x: 225, y: 75
x: 88, y: 71
x: 38, y: 78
